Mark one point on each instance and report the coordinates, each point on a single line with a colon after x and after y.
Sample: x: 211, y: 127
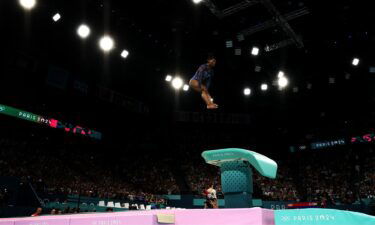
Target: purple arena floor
x: 254, y: 216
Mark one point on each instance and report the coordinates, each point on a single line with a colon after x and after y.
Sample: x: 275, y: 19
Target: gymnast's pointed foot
x: 212, y: 106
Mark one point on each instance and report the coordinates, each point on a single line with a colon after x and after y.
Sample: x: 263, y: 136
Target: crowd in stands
x: 4, y: 196
x: 341, y: 176
x: 329, y: 178
x: 201, y: 175
x: 191, y: 143
x: 328, y: 181
x: 367, y: 183
x: 58, y: 170
x: 283, y: 188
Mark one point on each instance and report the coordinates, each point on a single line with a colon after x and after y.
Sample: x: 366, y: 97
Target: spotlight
x: 56, y: 17
x: 255, y: 51
x: 83, y: 31
x: 168, y: 78
x: 247, y: 91
x: 355, y: 62
x: 282, y: 82
x: 106, y: 43
x: 186, y: 87
x: 177, y: 83
x: 281, y: 74
x: 197, y: 1
x: 264, y: 87
x: 27, y: 4
x: 124, y: 54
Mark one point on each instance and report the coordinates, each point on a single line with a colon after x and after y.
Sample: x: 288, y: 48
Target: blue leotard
x: 204, y: 75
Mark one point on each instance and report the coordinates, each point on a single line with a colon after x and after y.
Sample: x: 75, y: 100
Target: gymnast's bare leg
x: 194, y: 84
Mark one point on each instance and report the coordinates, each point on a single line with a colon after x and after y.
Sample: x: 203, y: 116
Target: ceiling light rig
x: 264, y: 87
x: 124, y: 53
x: 177, y: 83
x: 355, y: 62
x: 186, y: 87
x: 282, y: 80
x: 247, y: 91
x: 106, y: 43
x: 255, y: 51
x: 197, y: 1
x: 168, y: 78
x: 83, y: 31
x: 27, y: 4
x: 56, y: 17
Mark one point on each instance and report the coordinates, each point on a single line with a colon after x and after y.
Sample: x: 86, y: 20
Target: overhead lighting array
x: 197, y: 1
x: 177, y: 82
x: 27, y: 4
x: 355, y: 62
x: 247, y: 91
x: 56, y: 17
x: 83, y: 31
x: 106, y: 42
x: 282, y: 80
x: 255, y: 51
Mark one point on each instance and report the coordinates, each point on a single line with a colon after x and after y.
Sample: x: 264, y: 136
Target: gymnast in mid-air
x: 202, y: 79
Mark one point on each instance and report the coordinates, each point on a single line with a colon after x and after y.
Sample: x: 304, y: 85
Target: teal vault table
x: 236, y: 173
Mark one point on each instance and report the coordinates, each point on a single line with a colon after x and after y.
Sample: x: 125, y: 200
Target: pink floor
x: 254, y: 216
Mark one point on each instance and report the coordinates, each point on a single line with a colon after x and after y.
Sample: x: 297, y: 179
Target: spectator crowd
x: 88, y: 170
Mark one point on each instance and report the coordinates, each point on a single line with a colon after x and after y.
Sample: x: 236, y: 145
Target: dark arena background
x: 102, y: 120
